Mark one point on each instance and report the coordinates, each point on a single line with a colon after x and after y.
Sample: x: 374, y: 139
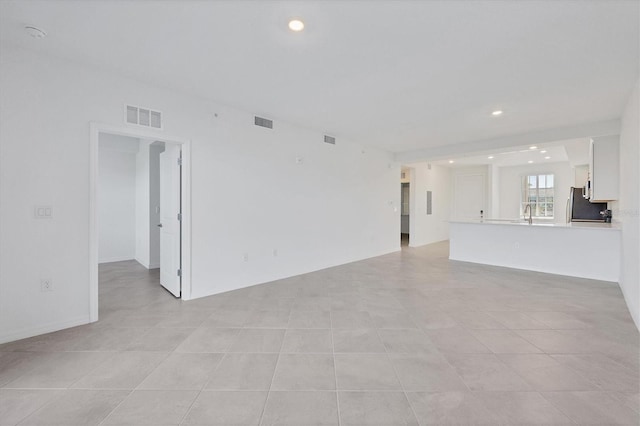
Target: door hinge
x: 179, y: 161
x: 179, y: 272
x: 179, y: 216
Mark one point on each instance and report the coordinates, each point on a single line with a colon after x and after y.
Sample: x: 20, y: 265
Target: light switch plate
x: 43, y: 212
x: 46, y: 285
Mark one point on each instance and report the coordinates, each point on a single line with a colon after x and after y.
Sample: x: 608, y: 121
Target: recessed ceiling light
x: 35, y: 32
x: 530, y: 161
x: 543, y: 152
x: 533, y: 147
x: 497, y: 112
x: 296, y: 25
x: 450, y: 161
x: 490, y: 157
x: 547, y: 157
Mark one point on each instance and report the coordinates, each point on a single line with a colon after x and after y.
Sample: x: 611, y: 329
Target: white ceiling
x: 400, y: 75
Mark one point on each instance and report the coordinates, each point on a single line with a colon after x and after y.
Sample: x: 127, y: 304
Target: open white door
x: 170, y: 219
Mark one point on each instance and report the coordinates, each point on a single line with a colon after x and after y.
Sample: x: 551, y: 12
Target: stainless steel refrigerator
x: 579, y: 209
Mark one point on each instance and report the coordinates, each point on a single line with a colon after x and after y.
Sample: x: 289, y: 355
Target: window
x: 537, y: 190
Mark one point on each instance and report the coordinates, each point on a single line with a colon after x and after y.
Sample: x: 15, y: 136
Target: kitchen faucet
x: 528, y: 206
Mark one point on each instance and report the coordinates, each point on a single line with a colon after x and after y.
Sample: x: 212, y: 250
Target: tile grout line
x: 188, y: 411
x: 335, y: 368
x: 558, y: 408
x: 116, y: 407
x: 395, y: 372
x: 275, y: 369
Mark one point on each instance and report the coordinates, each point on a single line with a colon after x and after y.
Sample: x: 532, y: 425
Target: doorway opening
x: 139, y: 214
x: 405, y: 197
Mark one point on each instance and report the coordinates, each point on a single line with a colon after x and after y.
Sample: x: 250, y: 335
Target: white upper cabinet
x: 604, y: 165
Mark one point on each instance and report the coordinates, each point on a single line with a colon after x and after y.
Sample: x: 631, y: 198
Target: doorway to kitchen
x: 405, y: 216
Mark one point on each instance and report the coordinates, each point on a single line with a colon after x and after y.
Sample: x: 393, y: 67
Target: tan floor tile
x: 301, y: 408
x: 375, y: 408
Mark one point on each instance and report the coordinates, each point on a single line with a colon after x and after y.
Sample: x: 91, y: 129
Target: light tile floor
x: 404, y: 339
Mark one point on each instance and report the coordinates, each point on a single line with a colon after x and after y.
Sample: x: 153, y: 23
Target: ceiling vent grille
x: 263, y: 122
x: 143, y: 117
x: 329, y: 139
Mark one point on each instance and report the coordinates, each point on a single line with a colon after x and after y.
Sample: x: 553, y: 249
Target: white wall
x: 427, y: 229
x: 142, y: 234
x: 116, y: 198
x: 627, y: 211
x: 335, y: 207
x: 511, y: 187
x: 494, y: 191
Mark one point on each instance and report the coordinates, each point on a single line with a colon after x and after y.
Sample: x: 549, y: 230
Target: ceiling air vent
x: 329, y: 139
x: 263, y: 122
x: 143, y: 117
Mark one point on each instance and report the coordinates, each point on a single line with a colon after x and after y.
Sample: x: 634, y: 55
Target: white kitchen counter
x: 524, y: 222
x: 578, y: 249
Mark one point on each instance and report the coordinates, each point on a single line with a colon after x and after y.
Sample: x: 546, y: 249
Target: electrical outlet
x: 46, y: 285
x: 246, y: 257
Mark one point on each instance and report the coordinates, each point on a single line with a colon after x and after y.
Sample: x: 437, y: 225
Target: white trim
x: 143, y: 133
x: 38, y: 330
x: 115, y: 259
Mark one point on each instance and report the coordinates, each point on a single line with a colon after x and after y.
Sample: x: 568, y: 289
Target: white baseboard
x: 115, y: 259
x: 42, y: 329
x: 147, y: 265
x: 295, y: 273
x: 631, y: 306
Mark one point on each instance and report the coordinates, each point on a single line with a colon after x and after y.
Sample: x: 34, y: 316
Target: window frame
x: 538, y: 207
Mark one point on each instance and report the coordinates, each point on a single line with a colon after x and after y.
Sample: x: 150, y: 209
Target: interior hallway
x: 403, y: 339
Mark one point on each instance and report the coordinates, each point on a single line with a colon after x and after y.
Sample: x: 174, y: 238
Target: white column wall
x: 627, y: 210
x: 427, y: 229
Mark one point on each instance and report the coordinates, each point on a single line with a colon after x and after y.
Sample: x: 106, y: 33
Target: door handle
x: 159, y: 225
